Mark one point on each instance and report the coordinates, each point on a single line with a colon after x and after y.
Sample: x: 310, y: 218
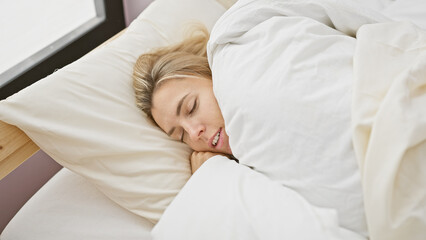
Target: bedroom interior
x: 100, y: 182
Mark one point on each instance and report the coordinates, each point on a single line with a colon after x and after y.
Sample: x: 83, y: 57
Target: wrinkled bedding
x: 228, y: 201
x: 329, y: 129
x: 282, y: 75
x: 284, y: 79
x: 389, y: 122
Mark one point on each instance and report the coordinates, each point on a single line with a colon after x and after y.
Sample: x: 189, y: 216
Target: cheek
x: 197, y: 146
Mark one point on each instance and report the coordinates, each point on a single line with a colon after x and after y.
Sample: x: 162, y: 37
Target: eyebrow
x: 178, y: 109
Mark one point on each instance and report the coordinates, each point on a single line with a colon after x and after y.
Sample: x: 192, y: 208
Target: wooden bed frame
x: 15, y: 146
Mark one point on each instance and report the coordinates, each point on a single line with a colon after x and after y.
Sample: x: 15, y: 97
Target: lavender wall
x: 132, y: 8
x: 17, y: 187
x: 27, y: 179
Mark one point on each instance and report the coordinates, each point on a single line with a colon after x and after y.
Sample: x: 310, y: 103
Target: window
x: 43, y: 35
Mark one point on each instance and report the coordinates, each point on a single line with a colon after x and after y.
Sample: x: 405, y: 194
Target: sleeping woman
x: 174, y: 87
x: 273, y: 91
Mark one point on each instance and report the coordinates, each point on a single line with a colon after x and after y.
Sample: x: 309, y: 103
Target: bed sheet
x: 69, y: 207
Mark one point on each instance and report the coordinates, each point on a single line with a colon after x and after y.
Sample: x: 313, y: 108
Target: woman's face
x: 187, y: 110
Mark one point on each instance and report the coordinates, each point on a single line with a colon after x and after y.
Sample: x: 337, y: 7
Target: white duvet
x: 228, y: 201
x: 389, y: 120
x: 285, y: 80
x: 283, y: 76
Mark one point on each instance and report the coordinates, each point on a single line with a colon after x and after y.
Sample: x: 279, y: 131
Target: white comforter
x: 228, y: 201
x: 284, y: 79
x: 282, y: 74
x: 389, y: 120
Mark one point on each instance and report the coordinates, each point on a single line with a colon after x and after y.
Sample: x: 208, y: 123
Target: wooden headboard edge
x: 15, y: 148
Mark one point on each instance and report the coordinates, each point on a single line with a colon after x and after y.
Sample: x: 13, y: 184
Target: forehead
x: 174, y: 89
x: 169, y: 92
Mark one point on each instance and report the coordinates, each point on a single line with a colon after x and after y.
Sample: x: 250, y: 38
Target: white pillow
x: 228, y: 201
x: 283, y: 83
x: 84, y: 115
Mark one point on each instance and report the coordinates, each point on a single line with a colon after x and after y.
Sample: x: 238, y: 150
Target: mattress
x: 69, y: 207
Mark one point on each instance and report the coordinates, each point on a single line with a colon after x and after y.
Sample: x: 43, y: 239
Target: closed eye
x: 194, y: 107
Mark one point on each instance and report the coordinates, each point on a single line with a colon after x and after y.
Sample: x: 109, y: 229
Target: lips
x: 216, y: 138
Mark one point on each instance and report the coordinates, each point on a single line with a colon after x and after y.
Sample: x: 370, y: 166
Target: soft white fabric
x: 85, y: 117
x: 70, y: 207
x: 399, y: 10
x: 283, y: 76
x: 407, y: 10
x: 227, y: 3
x: 228, y: 201
x: 389, y: 121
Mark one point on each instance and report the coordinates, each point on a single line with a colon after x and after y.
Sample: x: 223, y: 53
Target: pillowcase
x: 228, y: 201
x: 283, y: 82
x: 85, y: 117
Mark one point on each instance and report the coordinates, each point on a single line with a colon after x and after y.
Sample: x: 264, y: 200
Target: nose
x: 194, y: 129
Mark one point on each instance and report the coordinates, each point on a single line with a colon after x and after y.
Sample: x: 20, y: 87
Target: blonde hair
x: 185, y: 59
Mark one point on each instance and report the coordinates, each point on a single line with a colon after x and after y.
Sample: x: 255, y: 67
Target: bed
x: 131, y: 182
